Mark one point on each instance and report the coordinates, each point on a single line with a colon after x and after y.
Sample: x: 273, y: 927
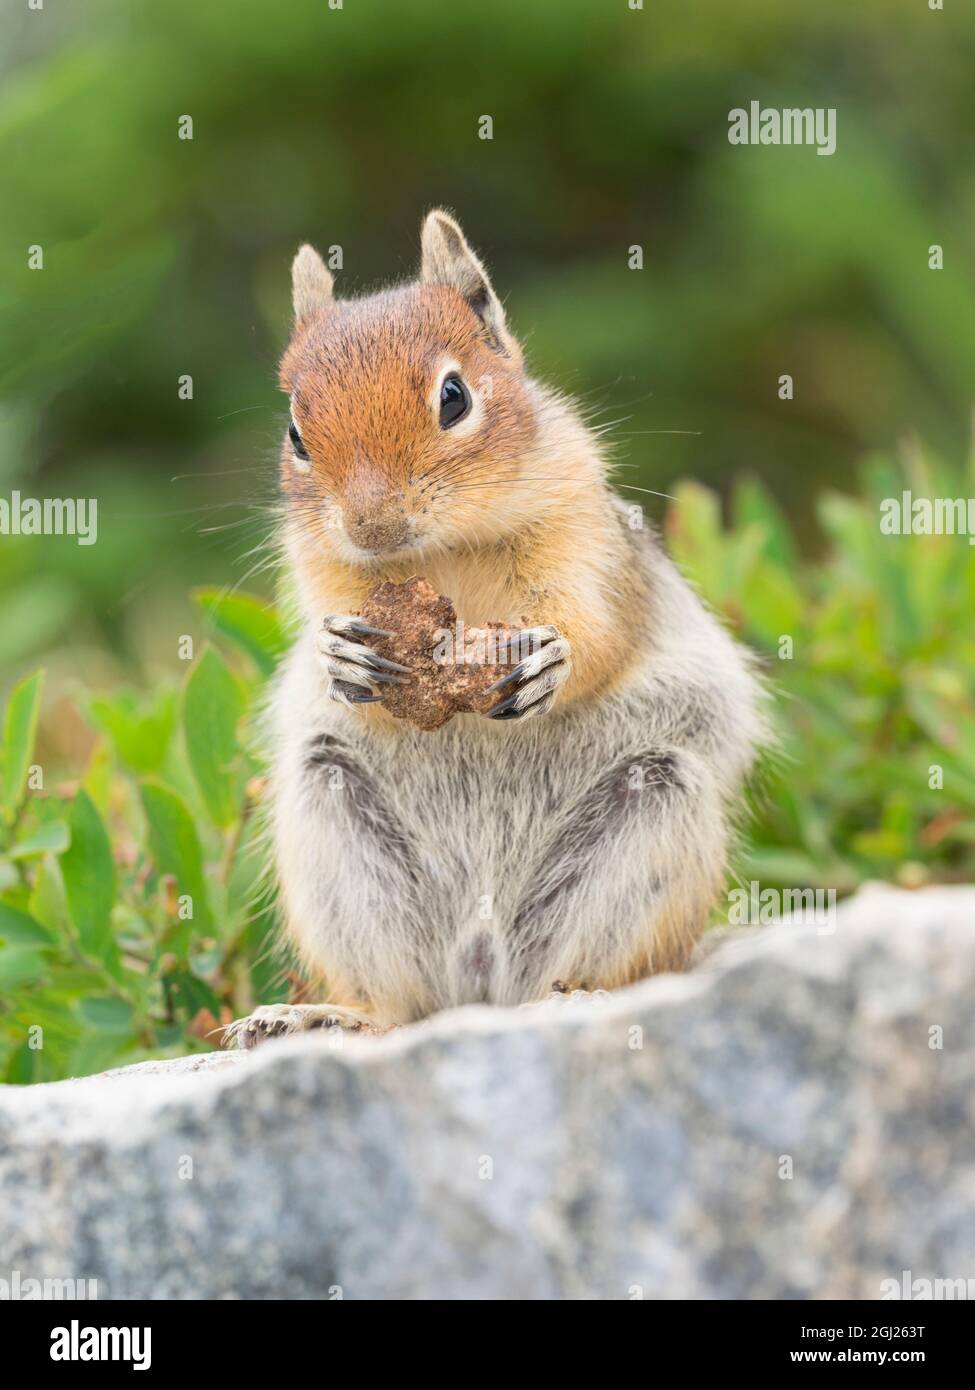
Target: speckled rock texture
x: 794, y: 1119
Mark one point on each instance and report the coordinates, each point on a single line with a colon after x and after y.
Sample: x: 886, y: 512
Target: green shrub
x: 871, y: 657
x: 134, y: 914
x: 135, y: 917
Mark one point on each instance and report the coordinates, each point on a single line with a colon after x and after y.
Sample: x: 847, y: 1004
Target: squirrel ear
x: 448, y: 260
x: 311, y: 282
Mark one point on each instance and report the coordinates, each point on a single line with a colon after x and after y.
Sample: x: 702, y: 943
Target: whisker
x: 632, y: 487
x: 217, y: 473
x: 243, y: 411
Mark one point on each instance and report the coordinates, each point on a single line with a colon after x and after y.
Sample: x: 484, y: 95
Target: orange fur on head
x: 383, y: 476
x: 506, y: 510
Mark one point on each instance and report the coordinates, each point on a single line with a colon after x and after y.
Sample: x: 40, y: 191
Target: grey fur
x: 485, y: 862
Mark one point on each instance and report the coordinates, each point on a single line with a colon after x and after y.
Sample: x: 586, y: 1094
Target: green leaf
x: 20, y: 965
x: 755, y: 504
x: 252, y: 624
x: 693, y: 529
x: 20, y: 1069
x: 267, y: 971
x: 855, y: 531
x: 98, y: 775
x: 54, y: 837
x: 175, y: 847
x: 742, y: 555
x: 141, y: 730
x: 89, y: 879
x: 213, y: 705
x: 19, y: 733
x: 790, y: 867
x: 106, y: 1013
x: 881, y: 844
x: 98, y: 1050
x: 20, y: 929
x: 34, y: 615
x: 47, y: 903
x: 187, y: 992
x: 771, y: 605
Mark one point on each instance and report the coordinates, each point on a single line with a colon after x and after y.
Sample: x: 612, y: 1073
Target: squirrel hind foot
x: 284, y: 1020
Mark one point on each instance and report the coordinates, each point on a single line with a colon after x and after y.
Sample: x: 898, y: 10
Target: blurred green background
x: 165, y: 257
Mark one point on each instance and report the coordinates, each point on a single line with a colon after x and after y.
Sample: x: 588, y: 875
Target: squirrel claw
x: 283, y: 1020
x: 355, y: 673
x: 513, y: 675
x: 348, y: 694
x: 507, y: 710
x: 382, y: 678
x: 536, y: 678
x: 360, y: 629
x: 383, y: 663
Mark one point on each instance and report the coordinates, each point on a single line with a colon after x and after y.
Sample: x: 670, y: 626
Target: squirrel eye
x: 455, y: 402
x: 296, y: 442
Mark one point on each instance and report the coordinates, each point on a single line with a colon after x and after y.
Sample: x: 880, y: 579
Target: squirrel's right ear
x: 311, y: 282
x: 448, y: 260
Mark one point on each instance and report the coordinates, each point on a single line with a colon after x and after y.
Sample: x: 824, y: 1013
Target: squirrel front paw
x: 352, y: 669
x: 532, y: 685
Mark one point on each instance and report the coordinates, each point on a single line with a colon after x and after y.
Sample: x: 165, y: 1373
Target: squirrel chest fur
x: 575, y: 831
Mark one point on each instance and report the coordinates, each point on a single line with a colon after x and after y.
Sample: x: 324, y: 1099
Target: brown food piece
x: 418, y: 617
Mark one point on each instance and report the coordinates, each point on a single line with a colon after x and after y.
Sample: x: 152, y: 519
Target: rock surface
x: 780, y: 1123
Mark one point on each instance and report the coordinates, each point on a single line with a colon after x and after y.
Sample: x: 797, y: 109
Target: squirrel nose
x: 375, y: 514
x: 385, y: 530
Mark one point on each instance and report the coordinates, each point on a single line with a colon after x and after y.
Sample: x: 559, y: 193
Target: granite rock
x: 793, y: 1119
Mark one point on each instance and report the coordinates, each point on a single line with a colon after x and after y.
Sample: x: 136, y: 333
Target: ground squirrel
x: 578, y: 832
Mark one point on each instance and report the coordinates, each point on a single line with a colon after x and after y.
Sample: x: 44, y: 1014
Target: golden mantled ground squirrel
x: 577, y: 833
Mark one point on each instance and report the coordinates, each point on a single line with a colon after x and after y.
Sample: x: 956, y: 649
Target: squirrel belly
x: 482, y: 863
x: 578, y: 829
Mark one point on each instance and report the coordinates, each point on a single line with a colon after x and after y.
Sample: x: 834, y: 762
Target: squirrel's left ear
x: 448, y: 260
x: 311, y: 282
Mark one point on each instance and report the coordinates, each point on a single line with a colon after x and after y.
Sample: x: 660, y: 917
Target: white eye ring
x: 299, y: 453
x: 473, y: 417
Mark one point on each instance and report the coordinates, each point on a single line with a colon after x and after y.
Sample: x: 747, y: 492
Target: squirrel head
x: 410, y: 411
